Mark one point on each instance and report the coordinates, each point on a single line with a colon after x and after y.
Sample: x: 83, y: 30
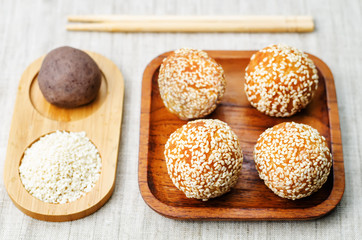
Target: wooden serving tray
x: 34, y: 117
x: 250, y: 199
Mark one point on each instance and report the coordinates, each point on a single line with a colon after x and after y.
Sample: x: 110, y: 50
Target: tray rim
x: 214, y: 213
x: 62, y: 212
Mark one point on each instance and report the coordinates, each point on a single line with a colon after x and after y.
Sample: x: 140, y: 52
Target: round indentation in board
x: 60, y: 167
x: 65, y: 114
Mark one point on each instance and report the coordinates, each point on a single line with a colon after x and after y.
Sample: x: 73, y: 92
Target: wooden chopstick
x: 115, y: 23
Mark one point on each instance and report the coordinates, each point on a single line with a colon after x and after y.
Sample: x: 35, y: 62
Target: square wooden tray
x: 250, y: 199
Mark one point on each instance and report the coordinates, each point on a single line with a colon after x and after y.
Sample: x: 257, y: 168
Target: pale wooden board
x: 34, y: 117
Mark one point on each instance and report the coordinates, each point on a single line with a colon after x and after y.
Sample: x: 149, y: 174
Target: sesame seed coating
x: 280, y: 80
x: 293, y: 159
x: 191, y: 83
x: 203, y: 158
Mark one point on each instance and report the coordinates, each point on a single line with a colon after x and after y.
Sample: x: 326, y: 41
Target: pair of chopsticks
x: 116, y: 23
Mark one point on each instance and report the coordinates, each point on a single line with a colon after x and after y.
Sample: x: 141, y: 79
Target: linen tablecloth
x: 29, y: 29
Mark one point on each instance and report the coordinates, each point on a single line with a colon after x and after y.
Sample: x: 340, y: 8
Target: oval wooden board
x: 250, y: 199
x: 34, y: 117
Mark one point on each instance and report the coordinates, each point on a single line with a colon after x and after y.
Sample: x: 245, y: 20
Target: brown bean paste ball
x: 69, y: 77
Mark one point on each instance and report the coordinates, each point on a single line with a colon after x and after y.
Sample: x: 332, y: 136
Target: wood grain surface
x: 34, y: 117
x: 250, y: 199
x: 124, y: 23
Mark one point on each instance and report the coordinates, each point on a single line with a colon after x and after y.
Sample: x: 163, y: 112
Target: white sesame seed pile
x: 293, y: 159
x: 60, y: 167
x: 191, y: 83
x: 280, y: 80
x: 203, y: 158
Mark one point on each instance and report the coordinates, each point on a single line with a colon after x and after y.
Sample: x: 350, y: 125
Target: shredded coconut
x: 60, y: 167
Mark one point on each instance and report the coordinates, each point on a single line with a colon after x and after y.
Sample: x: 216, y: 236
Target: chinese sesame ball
x: 280, y: 80
x: 191, y: 83
x: 203, y: 158
x: 293, y: 160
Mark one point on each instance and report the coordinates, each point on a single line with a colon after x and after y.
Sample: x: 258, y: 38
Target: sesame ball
x: 203, y: 158
x: 280, y: 80
x: 293, y: 159
x: 191, y: 83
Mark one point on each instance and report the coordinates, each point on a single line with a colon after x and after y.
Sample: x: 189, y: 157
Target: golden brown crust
x: 280, y: 80
x: 191, y: 83
x: 293, y: 159
x: 203, y: 158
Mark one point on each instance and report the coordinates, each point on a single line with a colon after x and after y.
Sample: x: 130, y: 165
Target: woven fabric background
x: 29, y: 29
